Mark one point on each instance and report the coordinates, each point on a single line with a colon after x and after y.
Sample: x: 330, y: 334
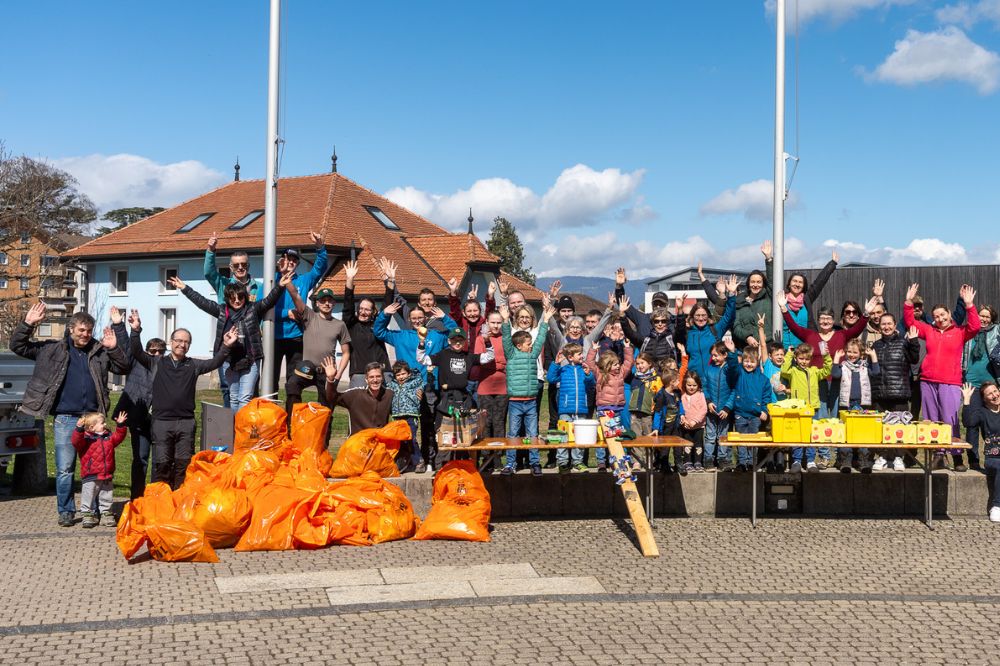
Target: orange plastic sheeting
x: 460, y: 506
x: 371, y: 450
x: 178, y: 541
x: 223, y: 514
x: 260, y: 424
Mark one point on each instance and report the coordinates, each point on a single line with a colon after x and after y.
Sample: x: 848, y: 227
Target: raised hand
x: 554, y: 288
x: 871, y: 303
x: 503, y: 286
x: 230, y: 337
x: 491, y: 290
x: 682, y: 349
x: 548, y: 311
x: 329, y: 368
x: 178, y: 283
x: 351, y: 270
x: 781, y: 299
x: 453, y: 286
x: 121, y: 418
x: 35, y: 314
x: 392, y: 308
x: 437, y: 313
x: 504, y: 311
x: 283, y: 265
x: 81, y: 422
x: 911, y: 292
x: 912, y: 332
x: 761, y: 320
x: 728, y: 341
x: 213, y: 240
x: 624, y: 304
x: 968, y: 295
x: 560, y: 357
x: 878, y: 288
x: 720, y: 286
x: 767, y: 250
x: 701, y: 273
x: 732, y: 285
x: 838, y: 356
x: 967, y: 391
x: 620, y: 278
x: 317, y: 239
x: 109, y: 340
x: 285, y: 280
x: 835, y: 256
x: 546, y: 301
x: 117, y: 316
x: 473, y: 293
x: 134, y: 321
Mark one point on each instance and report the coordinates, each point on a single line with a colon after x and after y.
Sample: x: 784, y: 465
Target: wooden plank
x: 647, y: 544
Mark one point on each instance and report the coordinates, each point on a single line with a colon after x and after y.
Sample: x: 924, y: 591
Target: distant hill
x: 596, y: 287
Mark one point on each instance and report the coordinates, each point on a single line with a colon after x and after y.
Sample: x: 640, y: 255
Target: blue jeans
x: 224, y: 385
x: 992, y: 467
x: 829, y: 407
x: 746, y: 424
x: 563, y: 455
x: 62, y: 431
x: 810, y: 452
x: 522, y: 412
x: 714, y: 429
x: 241, y: 384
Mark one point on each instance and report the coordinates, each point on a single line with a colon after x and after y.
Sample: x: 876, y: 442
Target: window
x: 49, y: 261
x: 25, y: 238
x: 45, y: 330
x: 3, y: 259
x: 382, y: 218
x: 167, y: 272
x: 194, y: 223
x: 119, y: 281
x: 25, y: 284
x: 3, y: 283
x: 247, y: 219
x: 168, y: 322
x: 25, y: 260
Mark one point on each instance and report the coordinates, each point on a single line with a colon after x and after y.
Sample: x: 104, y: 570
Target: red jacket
x: 492, y: 376
x: 97, y: 452
x: 473, y: 330
x: 943, y: 363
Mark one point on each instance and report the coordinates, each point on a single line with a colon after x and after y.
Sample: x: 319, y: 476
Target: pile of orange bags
x: 273, y: 493
x: 460, y: 506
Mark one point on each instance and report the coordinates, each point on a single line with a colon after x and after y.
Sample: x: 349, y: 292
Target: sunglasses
x: 850, y: 312
x: 659, y: 321
x: 156, y: 350
x: 243, y: 265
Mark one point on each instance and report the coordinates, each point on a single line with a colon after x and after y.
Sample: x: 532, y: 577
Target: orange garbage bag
x: 207, y: 464
x: 460, y: 505
x: 388, y: 514
x: 356, y: 526
x: 260, y: 424
x: 310, y: 424
x: 316, y: 524
x: 131, y: 534
x: 223, y: 515
x: 270, y: 525
x: 373, y: 449
x: 249, y: 470
x: 178, y: 541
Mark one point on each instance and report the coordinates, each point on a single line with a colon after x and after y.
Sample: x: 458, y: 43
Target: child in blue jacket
x: 752, y: 394
x: 574, y: 380
x: 719, y: 384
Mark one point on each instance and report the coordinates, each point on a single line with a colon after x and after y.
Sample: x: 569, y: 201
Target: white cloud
x: 969, y: 14
x: 123, y: 180
x: 944, y: 55
x: 580, y: 196
x: 836, y: 11
x: 754, y: 200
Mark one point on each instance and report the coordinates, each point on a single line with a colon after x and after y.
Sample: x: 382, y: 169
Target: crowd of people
x: 697, y: 372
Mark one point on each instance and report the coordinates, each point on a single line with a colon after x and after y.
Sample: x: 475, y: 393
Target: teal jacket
x: 522, y: 367
x: 219, y: 281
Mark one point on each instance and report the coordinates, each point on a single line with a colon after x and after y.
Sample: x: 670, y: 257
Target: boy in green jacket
x: 803, y: 381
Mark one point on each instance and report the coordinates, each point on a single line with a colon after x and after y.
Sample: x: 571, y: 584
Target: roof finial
x: 236, y: 178
x: 470, y: 221
x: 333, y: 160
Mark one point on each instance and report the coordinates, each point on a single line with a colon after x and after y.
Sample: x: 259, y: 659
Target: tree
x: 504, y: 243
x: 122, y: 217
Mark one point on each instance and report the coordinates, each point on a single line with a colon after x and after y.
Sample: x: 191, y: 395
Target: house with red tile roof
x: 129, y: 267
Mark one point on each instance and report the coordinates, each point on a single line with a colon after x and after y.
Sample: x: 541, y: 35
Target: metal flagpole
x: 778, y: 241
x: 271, y: 191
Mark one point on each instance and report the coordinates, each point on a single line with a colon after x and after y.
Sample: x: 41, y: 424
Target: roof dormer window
x: 194, y: 223
x: 247, y: 220
x: 382, y: 218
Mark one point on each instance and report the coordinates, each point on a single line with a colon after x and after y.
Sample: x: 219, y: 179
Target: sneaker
x: 686, y: 468
x: 880, y: 463
x: 536, y: 470
x: 564, y: 469
x: 726, y: 467
x: 961, y: 468
x: 698, y: 467
x: 812, y: 466
x: 636, y: 466
x: 995, y: 514
x: 507, y: 470
x: 845, y: 468
x: 548, y: 465
x: 421, y: 468
x: 709, y: 465
x: 89, y: 520
x: 580, y: 467
x: 602, y: 467
x: 898, y: 464
x: 938, y: 462
x: 819, y: 464
x: 108, y: 520
x: 796, y: 467
x: 66, y: 519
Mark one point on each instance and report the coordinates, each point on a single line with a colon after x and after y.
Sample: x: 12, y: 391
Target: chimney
x: 236, y: 167
x: 333, y: 161
x: 470, y: 221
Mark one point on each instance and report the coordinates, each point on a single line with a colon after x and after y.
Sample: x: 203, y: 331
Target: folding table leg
x: 928, y: 491
x: 753, y: 493
x: 649, y: 482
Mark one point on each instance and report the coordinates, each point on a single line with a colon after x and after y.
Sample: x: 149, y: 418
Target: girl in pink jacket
x: 694, y: 411
x: 610, y: 374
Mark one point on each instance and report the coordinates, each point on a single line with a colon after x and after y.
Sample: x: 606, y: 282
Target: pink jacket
x: 943, y: 363
x: 695, y: 410
x: 611, y: 394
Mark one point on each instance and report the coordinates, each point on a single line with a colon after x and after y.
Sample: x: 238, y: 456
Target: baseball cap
x: 323, y: 293
x: 660, y: 297
x: 291, y: 252
x: 457, y: 333
x: 306, y: 370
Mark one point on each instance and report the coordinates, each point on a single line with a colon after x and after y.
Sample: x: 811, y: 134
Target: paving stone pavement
x: 791, y: 591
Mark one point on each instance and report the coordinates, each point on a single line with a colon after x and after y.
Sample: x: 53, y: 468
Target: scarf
x: 852, y: 369
x: 795, y: 303
x: 979, y: 350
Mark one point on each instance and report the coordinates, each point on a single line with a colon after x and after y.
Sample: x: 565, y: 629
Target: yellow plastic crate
x: 863, y: 428
x: 899, y: 433
x: 830, y: 431
x: 790, y: 423
x: 932, y: 432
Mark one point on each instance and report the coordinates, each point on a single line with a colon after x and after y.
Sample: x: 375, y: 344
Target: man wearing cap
x: 321, y: 334
x: 453, y: 365
x: 287, y: 332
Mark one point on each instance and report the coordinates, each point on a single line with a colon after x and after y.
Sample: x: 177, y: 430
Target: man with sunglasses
x: 239, y: 273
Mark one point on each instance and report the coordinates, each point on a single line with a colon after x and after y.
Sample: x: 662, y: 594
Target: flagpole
x: 271, y: 192
x: 778, y: 241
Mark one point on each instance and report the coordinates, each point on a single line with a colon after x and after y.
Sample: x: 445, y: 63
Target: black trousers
x: 428, y: 434
x: 173, y: 446
x: 293, y: 392
x: 289, y: 349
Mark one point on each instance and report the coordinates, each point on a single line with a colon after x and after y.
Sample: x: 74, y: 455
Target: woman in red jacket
x: 941, y: 370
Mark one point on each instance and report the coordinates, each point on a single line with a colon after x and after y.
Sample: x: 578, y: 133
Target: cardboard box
x: 468, y: 430
x: 932, y: 432
x: 830, y: 431
x: 899, y: 433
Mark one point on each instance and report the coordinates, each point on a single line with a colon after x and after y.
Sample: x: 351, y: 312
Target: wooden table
x: 517, y: 443
x: 774, y: 447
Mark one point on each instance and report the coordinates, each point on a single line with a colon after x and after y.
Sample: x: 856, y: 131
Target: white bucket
x: 585, y: 431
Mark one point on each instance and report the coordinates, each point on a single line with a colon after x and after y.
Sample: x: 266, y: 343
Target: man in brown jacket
x: 368, y: 407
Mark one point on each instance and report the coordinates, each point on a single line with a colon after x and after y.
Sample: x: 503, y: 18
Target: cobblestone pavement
x: 793, y: 590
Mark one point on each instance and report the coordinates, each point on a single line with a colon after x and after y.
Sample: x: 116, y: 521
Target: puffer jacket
x: 97, y: 452
x: 659, y: 346
x: 405, y: 401
x: 753, y: 390
x: 895, y: 356
x: 51, y: 359
x: 610, y: 389
x: 719, y: 385
x: 943, y: 362
x: 573, y: 383
x: 248, y: 324
x: 522, y: 367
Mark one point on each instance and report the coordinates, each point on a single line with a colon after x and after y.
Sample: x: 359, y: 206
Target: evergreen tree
x: 504, y: 243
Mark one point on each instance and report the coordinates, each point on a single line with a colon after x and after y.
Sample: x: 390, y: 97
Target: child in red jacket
x: 96, y: 447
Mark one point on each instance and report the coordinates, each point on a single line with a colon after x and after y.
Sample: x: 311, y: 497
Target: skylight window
x: 382, y: 218
x: 247, y: 219
x: 194, y: 223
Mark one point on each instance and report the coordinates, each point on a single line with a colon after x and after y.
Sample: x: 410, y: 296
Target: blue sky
x: 637, y: 134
